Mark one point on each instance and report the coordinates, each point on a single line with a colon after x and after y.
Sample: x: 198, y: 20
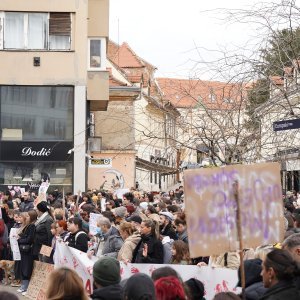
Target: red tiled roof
x: 185, y: 93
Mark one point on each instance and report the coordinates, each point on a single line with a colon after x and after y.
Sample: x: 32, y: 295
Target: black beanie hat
x: 139, y: 286
x: 43, y: 206
x: 106, y: 271
x: 196, y: 288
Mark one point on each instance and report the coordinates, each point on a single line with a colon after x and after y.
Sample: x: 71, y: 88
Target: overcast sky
x: 166, y: 32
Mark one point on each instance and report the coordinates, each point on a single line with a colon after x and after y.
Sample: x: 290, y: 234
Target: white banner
x: 13, y: 239
x: 214, y: 280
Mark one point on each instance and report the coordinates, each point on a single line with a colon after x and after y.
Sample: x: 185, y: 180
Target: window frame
x: 102, y: 54
x: 26, y: 16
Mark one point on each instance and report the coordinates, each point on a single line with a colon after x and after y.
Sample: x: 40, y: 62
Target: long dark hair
x: 154, y: 227
x: 182, y: 252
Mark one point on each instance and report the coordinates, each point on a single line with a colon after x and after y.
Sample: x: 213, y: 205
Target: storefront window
x: 28, y: 175
x: 36, y: 113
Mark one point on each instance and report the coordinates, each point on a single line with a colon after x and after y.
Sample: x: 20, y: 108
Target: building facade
x: 53, y: 53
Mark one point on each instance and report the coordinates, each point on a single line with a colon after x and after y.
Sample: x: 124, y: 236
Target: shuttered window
x: 60, y: 31
x: 60, y: 24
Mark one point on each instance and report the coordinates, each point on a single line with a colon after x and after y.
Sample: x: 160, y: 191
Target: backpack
x: 78, y: 234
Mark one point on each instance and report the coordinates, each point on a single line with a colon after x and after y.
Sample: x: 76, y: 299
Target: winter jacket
x: 27, y: 205
x: 26, y: 238
x: 111, y: 292
x: 283, y: 290
x: 183, y: 236
x: 169, y: 231
x: 255, y: 291
x: 230, y: 260
x: 112, y: 243
x: 126, y: 252
x: 155, y: 251
x: 43, y: 235
x: 2, y: 231
x: 79, y: 242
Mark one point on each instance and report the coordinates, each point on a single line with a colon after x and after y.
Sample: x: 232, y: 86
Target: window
x: 96, y: 54
x: 33, y: 113
x: 35, y: 31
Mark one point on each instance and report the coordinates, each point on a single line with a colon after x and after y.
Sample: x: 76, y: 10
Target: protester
x: 180, y: 253
x: 62, y: 229
x: 77, y: 238
x: 4, y: 295
x: 131, y: 238
x: 65, y: 284
x: 164, y: 272
x: 165, y: 225
x: 26, y: 242
x: 43, y: 234
x: 278, y: 272
x: 139, y: 286
x: 169, y: 288
x: 150, y: 248
x: 180, y: 224
x: 27, y: 203
x: 106, y: 274
x: 195, y: 289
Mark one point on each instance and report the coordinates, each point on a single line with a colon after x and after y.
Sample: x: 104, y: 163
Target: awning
x: 154, y: 167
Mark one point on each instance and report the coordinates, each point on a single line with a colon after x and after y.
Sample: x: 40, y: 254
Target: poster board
x: 39, y: 281
x: 211, y: 207
x: 93, y: 223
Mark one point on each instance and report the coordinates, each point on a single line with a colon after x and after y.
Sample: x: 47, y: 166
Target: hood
x: 252, y: 271
x: 134, y: 238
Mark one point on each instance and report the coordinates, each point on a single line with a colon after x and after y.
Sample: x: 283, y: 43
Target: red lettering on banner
x: 134, y: 270
x: 75, y: 262
x: 88, y: 287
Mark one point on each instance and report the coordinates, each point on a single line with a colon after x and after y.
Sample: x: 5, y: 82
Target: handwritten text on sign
x: 211, y: 207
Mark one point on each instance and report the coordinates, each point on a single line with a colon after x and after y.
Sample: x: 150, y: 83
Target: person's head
x: 24, y: 218
x: 139, y: 286
x: 195, y: 289
x: 127, y: 198
x: 53, y: 229
x: 58, y: 214
x: 104, y: 224
x: 148, y: 227
x: 65, y: 285
x: 292, y: 244
x: 42, y: 207
x: 165, y: 218
x: 120, y: 213
x: 169, y: 288
x: 110, y: 204
x: 74, y: 224
x: 278, y: 266
x: 161, y: 206
x: 106, y: 271
x: 61, y: 226
x: 126, y: 230
x: 109, y: 215
x: 85, y: 215
x: 226, y: 296
x: 150, y: 210
x: 136, y: 222
x: 26, y: 196
x: 180, y: 223
x: 17, y: 214
x: 164, y: 272
x: 180, y: 251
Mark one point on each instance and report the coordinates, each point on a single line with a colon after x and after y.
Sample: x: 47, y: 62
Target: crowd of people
x: 137, y: 228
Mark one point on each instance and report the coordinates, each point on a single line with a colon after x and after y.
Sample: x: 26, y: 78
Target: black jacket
x: 27, y: 205
x: 283, y: 290
x: 43, y: 235
x: 169, y: 231
x: 26, y: 238
x: 111, y: 292
x: 79, y: 243
x: 155, y: 251
x: 255, y: 291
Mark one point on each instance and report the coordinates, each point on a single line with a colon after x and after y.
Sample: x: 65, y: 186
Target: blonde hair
x: 64, y: 284
x: 126, y: 227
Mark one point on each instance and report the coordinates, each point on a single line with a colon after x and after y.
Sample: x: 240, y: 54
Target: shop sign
x: 100, y: 163
x: 34, y: 151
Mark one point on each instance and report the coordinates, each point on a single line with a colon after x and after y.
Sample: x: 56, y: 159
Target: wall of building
x: 121, y: 171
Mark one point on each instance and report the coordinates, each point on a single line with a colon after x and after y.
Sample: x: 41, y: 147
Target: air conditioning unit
x: 94, y: 144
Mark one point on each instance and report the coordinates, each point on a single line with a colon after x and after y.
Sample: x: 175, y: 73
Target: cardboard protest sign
x: 215, y: 280
x: 211, y: 207
x: 46, y: 250
x: 39, y: 281
x: 13, y: 239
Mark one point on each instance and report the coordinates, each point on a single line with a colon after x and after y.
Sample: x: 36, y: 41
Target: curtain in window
x: 14, y: 31
x: 95, y: 53
x: 37, y: 31
x: 58, y: 42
